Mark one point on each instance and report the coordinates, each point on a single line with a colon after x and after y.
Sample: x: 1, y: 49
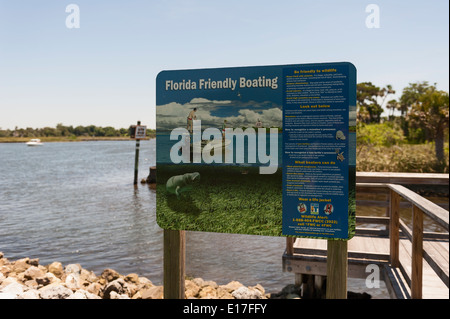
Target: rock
x: 56, y: 268
x: 155, y: 292
x: 73, y: 281
x: 87, y: 277
x: 115, y: 295
x: 207, y: 292
x: 133, y: 278
x: 210, y: 283
x: 30, y: 294
x: 32, y: 283
x: 247, y: 293
x: 57, y: 291
x: 6, y: 269
x: 224, y: 293
x: 110, y: 275
x: 232, y: 286
x: 7, y: 281
x: 91, y: 296
x: 34, y: 262
x: 21, y: 265
x: 116, y: 286
x: 191, y: 289
x: 7, y: 295
x: 144, y: 283
x: 33, y: 272
x: 77, y: 295
x: 26, y: 279
x: 259, y: 287
x: 137, y: 295
x: 48, y: 278
x: 198, y: 281
x: 73, y: 269
x: 291, y: 289
x: 94, y: 288
x: 83, y: 294
x: 14, y: 288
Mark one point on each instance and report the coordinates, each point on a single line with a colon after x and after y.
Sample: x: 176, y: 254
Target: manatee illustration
x: 340, y: 135
x: 182, y: 183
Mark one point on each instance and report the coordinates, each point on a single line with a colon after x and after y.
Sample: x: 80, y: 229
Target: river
x: 75, y: 202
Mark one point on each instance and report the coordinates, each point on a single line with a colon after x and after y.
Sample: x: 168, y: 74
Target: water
x: 76, y: 203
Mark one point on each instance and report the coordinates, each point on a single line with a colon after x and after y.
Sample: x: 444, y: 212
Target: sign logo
x: 314, y: 208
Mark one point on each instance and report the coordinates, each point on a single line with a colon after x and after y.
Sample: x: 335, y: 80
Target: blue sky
x: 104, y: 72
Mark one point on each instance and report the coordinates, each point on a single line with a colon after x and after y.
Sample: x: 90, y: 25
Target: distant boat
x: 34, y: 142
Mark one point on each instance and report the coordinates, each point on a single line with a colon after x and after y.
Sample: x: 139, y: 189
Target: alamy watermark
x: 373, y: 278
x: 373, y: 19
x: 73, y: 19
x: 212, y: 149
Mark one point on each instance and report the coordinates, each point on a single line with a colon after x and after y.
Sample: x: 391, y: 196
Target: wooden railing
x: 421, y: 206
x: 390, y: 184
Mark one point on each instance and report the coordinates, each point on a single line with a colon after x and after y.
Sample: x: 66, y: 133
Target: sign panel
x: 267, y: 150
x: 140, y: 132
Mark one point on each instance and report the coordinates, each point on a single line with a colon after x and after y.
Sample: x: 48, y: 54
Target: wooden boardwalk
x: 309, y: 257
x: 413, y: 263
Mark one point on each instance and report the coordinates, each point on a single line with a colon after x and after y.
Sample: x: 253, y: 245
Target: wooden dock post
x: 136, y: 158
x: 174, y: 263
x: 151, y: 178
x: 337, y: 269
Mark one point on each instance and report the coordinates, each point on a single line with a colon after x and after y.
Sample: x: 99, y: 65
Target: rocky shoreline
x: 26, y: 279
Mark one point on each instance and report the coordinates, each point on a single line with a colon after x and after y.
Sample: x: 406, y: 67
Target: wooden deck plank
x: 438, y: 255
x: 310, y: 253
x: 358, y: 244
x: 433, y: 286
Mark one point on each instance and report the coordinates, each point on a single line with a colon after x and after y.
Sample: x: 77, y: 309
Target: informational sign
x: 267, y: 150
x: 138, y: 132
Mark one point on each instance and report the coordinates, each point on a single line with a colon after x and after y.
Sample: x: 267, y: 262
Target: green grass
x: 226, y: 201
x: 248, y: 203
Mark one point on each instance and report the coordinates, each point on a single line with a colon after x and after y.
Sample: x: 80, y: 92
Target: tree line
x: 67, y: 131
x: 423, y: 109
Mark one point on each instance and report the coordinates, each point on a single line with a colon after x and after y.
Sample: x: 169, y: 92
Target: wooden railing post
x: 417, y: 254
x: 174, y: 263
x: 394, y: 226
x: 337, y: 269
x: 290, y: 245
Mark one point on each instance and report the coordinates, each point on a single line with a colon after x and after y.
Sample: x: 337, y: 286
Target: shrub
x: 383, y: 134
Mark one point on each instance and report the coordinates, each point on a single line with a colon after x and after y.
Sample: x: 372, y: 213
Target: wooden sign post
x: 137, y: 132
x: 174, y: 263
x: 337, y: 269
